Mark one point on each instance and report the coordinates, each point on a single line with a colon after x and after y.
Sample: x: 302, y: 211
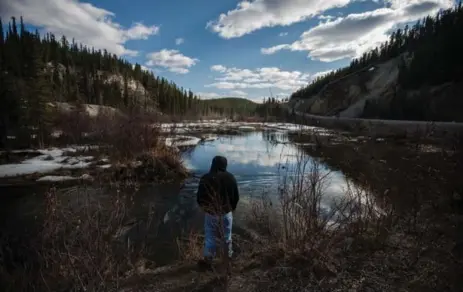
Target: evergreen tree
x: 35, y: 70
x: 39, y: 94
x: 432, y: 48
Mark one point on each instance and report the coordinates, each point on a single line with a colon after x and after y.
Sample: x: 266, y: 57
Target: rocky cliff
x: 375, y: 92
x: 346, y: 97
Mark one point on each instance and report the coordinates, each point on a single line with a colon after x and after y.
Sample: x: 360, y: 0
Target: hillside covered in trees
x: 232, y: 106
x: 430, y: 72
x: 38, y: 69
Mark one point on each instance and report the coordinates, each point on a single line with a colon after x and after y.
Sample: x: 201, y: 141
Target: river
x: 260, y: 160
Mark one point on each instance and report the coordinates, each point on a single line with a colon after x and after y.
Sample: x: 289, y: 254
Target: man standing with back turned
x: 217, y: 196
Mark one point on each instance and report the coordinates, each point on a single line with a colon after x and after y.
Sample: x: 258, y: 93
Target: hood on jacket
x: 219, y: 163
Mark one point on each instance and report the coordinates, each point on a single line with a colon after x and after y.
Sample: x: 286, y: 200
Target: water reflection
x: 247, y: 155
x: 258, y: 160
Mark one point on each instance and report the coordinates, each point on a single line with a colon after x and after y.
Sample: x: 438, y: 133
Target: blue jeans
x: 218, y: 227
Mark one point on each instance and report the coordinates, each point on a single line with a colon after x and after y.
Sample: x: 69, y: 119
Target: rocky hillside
x: 346, y: 97
x: 416, y: 75
x: 136, y: 91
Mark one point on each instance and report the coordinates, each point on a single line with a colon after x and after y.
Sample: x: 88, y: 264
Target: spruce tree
x: 39, y: 93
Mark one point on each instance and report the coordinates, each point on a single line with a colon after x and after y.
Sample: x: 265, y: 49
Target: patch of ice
x: 182, y: 141
x: 186, y: 126
x: 429, y: 148
x: 305, y: 144
x: 209, y: 138
x: 84, y: 147
x: 74, y: 160
x: 60, y: 178
x: 57, y: 134
x: 54, y: 178
x: 48, y: 160
x: 105, y: 166
x: 247, y: 128
x: 292, y: 127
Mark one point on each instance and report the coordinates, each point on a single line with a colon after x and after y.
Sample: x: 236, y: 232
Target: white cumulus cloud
x: 172, y: 60
x: 232, y: 93
x: 86, y: 23
x: 218, y: 68
x: 140, y: 32
x: 179, y: 41
x: 238, y: 93
x: 208, y: 95
x: 350, y: 36
x: 260, y: 78
x: 249, y: 16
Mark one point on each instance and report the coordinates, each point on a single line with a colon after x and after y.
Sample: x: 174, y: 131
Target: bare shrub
x: 191, y: 248
x: 300, y: 195
x: 263, y: 216
x: 82, y: 246
x: 305, y: 220
x: 128, y: 136
x: 73, y: 125
x: 78, y: 248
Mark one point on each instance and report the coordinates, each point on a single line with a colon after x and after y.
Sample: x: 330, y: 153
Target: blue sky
x: 228, y: 47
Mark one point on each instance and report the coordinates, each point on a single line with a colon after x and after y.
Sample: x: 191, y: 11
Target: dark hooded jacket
x: 218, y: 191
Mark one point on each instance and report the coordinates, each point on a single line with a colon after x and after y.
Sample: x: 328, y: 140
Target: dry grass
x: 81, y: 246
x: 371, y: 240
x: 191, y: 248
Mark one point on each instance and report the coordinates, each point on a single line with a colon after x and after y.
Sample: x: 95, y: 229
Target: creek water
x: 260, y: 161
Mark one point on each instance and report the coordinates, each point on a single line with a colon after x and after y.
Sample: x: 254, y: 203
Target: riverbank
x: 397, y: 235
x: 111, y: 149
x: 380, y: 128
x: 289, y: 238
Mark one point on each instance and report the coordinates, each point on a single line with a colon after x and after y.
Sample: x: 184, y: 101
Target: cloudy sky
x: 228, y: 47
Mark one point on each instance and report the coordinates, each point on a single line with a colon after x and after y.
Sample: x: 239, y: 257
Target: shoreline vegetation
x: 375, y: 239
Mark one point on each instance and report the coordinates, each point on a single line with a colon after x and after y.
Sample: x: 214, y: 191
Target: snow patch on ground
x: 247, y: 128
x: 56, y: 178
x: 61, y: 178
x: 48, y: 160
x: 185, y: 127
x: 57, y: 134
x: 209, y: 138
x: 105, y: 166
x: 182, y: 141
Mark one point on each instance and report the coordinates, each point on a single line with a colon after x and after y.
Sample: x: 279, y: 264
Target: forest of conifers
x: 37, y: 69
x: 436, y: 44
